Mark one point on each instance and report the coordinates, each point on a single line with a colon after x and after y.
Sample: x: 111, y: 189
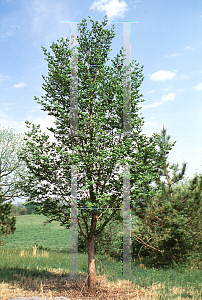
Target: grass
x: 31, y: 231
x: 35, y: 262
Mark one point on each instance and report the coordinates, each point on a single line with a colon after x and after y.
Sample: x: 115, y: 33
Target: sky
x: 167, y: 41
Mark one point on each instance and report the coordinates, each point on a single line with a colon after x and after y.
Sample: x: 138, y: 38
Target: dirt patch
x: 36, y: 298
x: 70, y: 289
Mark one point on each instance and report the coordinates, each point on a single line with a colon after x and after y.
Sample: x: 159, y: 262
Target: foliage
x: 11, y: 166
x: 50, y: 164
x: 7, y: 224
x: 99, y: 145
x: 30, y: 208
x: 171, y: 221
x: 16, y: 258
x: 108, y: 243
x: 15, y: 210
x: 19, y: 210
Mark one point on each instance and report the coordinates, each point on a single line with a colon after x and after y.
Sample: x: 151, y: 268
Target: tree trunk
x: 91, y: 266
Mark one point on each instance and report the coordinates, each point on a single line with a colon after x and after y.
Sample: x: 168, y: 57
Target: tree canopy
x: 10, y: 168
x: 99, y: 148
x: 10, y: 163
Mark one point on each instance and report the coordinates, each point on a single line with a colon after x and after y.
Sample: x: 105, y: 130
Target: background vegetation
x: 110, y: 242
x: 36, y: 251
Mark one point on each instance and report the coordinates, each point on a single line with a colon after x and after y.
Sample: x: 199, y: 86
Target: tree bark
x: 91, y: 266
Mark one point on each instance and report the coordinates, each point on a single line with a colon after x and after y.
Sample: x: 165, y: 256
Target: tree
x: 171, y: 222
x: 99, y: 146
x: 9, y: 168
x: 30, y: 208
x: 18, y: 210
x: 7, y: 225
x: 191, y: 192
x: 10, y: 164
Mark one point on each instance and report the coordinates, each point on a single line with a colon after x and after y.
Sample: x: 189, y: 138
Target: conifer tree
x: 7, y: 223
x: 171, y: 222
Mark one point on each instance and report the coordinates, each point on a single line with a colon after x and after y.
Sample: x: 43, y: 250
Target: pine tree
x: 171, y: 222
x: 7, y: 224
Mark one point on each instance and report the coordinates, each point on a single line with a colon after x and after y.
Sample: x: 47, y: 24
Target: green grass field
x: 31, y: 231
x: 35, y: 249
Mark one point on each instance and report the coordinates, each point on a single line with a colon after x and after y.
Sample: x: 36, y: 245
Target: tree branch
x: 105, y: 223
x: 145, y: 243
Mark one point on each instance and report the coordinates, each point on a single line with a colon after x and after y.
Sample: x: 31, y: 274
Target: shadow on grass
x: 34, y: 280
x: 58, y: 283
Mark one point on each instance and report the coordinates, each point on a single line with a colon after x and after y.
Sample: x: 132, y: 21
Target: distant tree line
x: 22, y: 209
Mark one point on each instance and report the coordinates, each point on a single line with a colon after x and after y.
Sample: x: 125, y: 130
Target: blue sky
x: 167, y: 41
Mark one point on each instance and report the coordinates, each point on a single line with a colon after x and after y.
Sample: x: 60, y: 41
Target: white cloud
x: 150, y: 92
x: 19, y: 85
x: 4, y: 77
x: 162, y: 75
x: 4, y: 35
x: 7, y: 106
x: 184, y: 77
x: 152, y: 105
x: 172, y: 55
x: 150, y: 123
x: 45, y: 17
x: 189, y: 47
x: 198, y: 87
x: 168, y: 97
x: 113, y: 8
x: 6, y: 121
x: 165, y: 90
x: 39, y: 6
x: 45, y: 121
x: 40, y: 12
x: 175, y: 54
